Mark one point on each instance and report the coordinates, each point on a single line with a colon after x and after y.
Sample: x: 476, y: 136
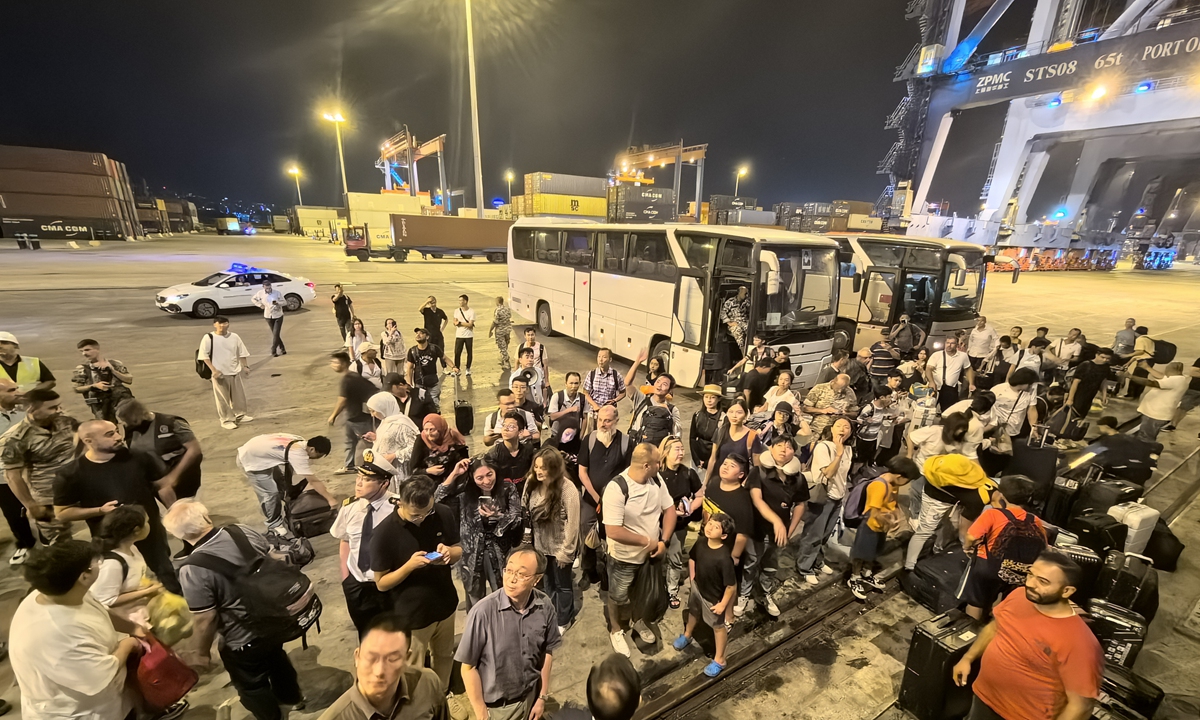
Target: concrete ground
x: 57, y: 296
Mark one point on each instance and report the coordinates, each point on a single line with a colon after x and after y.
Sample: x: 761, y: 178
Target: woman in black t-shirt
x: 343, y: 310
x: 687, y: 492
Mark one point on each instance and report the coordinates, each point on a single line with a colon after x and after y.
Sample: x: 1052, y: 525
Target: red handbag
x: 161, y: 677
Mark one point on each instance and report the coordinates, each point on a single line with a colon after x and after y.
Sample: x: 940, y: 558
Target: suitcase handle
x: 1140, y: 557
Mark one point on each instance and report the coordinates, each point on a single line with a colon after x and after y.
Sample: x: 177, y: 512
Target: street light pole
x: 337, y: 120
x: 737, y: 179
x: 508, y: 178
x: 474, y: 115
x: 295, y: 172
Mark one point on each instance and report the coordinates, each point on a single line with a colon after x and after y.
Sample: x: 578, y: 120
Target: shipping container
x: 173, y: 207
x: 448, y: 235
x: 731, y: 202
x: 786, y: 210
x: 319, y: 221
x: 13, y: 157
x: 65, y: 205
x: 570, y: 205
x: 818, y: 208
x: 59, y: 228
x: 631, y: 203
x: 838, y: 223
x: 864, y: 222
x: 559, y: 184
x: 750, y: 217
x: 46, y: 183
x: 795, y: 224
x: 844, y: 208
x: 393, y: 203
x: 814, y: 223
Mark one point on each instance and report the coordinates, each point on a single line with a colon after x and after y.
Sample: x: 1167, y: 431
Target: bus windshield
x: 962, y: 284
x: 795, y: 287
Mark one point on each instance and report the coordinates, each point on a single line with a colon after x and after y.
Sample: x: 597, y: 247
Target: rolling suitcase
x: 1100, y: 495
x: 1062, y: 497
x: 927, y: 690
x: 1130, y: 581
x: 1164, y: 548
x: 1140, y: 520
x: 1099, y: 531
x: 464, y: 414
x: 1089, y: 561
x: 1037, y: 461
x: 1133, y: 691
x: 1055, y: 535
x: 1121, y: 632
x: 936, y: 580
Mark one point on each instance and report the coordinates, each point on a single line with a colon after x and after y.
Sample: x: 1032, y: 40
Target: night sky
x: 219, y: 97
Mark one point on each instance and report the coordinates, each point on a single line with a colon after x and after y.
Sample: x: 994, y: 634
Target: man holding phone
x: 411, y: 554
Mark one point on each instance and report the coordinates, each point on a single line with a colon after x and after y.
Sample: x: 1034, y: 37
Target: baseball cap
x: 420, y: 329
x: 368, y: 346
x: 394, y: 379
x: 10, y: 338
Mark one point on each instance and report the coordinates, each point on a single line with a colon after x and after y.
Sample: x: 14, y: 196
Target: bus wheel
x: 543, y: 320
x: 436, y: 256
x: 496, y: 257
x: 843, y: 335
x: 662, y: 351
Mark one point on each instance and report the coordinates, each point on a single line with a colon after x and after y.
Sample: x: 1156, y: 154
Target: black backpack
x: 307, y: 513
x: 656, y: 423
x: 1015, y: 548
x: 280, y: 601
x: 1164, y: 352
x: 202, y: 368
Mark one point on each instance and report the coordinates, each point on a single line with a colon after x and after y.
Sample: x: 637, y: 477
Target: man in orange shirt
x: 1006, y: 539
x: 1039, y: 659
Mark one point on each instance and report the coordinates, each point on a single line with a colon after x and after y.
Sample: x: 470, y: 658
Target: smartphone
x: 433, y: 556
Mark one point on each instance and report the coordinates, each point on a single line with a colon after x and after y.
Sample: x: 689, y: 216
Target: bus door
x: 689, y: 328
x: 578, y: 247
x: 875, y: 308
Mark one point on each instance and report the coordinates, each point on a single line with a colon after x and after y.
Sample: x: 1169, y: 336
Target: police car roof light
x: 242, y: 268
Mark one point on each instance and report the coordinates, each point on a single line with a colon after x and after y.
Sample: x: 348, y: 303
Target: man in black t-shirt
x: 411, y: 554
x: 755, y: 383
x: 604, y: 453
x: 110, y: 474
x: 779, y: 493
x: 343, y: 311
x: 435, y: 323
x: 421, y: 368
x: 353, y: 392
x: 1090, y: 378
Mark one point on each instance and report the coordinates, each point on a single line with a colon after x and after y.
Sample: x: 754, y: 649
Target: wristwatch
x: 544, y: 697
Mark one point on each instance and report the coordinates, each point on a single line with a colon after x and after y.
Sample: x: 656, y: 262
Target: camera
x: 94, y: 396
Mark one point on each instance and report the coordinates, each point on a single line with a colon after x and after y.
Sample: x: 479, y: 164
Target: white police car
x: 231, y: 289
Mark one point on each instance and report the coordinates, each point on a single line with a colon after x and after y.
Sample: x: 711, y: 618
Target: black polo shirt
x: 427, y: 595
x: 603, y: 463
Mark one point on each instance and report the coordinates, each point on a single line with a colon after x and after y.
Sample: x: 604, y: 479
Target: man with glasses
x: 411, y: 554
x: 507, y: 647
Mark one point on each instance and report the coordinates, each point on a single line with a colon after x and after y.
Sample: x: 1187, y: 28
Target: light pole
x: 474, y: 115
x: 741, y: 173
x: 508, y: 178
x: 337, y: 120
x: 295, y: 173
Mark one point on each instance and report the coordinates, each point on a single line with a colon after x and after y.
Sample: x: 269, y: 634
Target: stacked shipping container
x: 59, y: 194
x: 556, y: 194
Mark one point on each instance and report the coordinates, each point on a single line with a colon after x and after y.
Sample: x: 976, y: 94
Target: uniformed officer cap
x: 376, y: 467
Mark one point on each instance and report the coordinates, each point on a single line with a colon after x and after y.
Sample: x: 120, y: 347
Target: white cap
x: 9, y: 337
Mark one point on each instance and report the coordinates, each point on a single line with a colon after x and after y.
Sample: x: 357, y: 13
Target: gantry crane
x: 644, y: 157
x: 403, y: 151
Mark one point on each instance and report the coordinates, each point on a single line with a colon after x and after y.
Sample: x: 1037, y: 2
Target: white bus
x: 628, y: 287
x: 938, y: 283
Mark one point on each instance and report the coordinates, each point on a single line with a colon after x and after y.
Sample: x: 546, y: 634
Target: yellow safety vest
x: 29, y: 373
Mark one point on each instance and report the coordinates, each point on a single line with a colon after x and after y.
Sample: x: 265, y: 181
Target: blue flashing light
x: 1062, y: 213
x: 497, y: 202
x: 1141, y: 211
x: 242, y: 268
x: 1144, y: 86
x: 1056, y: 101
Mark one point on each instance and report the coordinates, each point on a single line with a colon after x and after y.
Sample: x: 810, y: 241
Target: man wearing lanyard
x: 354, y: 527
x: 944, y: 372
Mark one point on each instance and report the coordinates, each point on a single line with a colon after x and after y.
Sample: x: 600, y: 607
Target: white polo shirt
x: 954, y: 366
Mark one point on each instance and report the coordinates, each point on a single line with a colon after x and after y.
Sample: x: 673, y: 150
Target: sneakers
x: 826, y: 570
x: 618, y: 642
x: 1168, y: 428
x: 811, y: 579
x: 18, y: 557
x: 174, y: 711
x: 769, y: 605
x: 345, y: 471
x: 674, y: 602
x: 644, y: 633
x: 229, y: 425
x: 468, y: 372
x: 871, y: 582
x: 562, y: 629
x: 744, y: 603
x: 244, y: 418
x: 857, y: 588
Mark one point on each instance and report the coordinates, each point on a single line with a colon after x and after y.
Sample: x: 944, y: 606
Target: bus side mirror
x: 857, y: 282
x: 960, y: 278
x: 1016, y: 272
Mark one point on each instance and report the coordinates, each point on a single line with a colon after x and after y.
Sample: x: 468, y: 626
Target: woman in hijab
x: 440, y: 448
x: 395, y: 434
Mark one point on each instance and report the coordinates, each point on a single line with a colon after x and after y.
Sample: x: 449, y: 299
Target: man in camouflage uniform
x: 502, y: 330
x: 101, y: 381
x: 31, y: 453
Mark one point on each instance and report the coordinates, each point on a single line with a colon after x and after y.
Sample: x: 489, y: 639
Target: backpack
x: 1015, y: 548
x: 623, y: 486
x: 280, y: 601
x: 1164, y: 352
x: 657, y: 422
x: 110, y: 555
x: 854, y: 506
x: 202, y: 368
x: 306, y: 512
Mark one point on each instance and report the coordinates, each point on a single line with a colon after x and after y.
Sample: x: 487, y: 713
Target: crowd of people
x: 892, y: 440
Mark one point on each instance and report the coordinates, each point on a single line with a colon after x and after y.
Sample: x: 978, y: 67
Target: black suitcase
x: 1089, y: 562
x: 1062, y: 497
x: 1130, y: 581
x: 464, y: 414
x: 309, y: 515
x: 927, y: 690
x: 1038, y: 462
x: 1133, y: 691
x: 1121, y: 632
x: 1164, y: 548
x: 1100, y: 495
x: 934, y: 581
x: 1099, y: 531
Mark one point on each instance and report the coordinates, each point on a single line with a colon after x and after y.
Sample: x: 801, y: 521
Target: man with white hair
x: 259, y: 669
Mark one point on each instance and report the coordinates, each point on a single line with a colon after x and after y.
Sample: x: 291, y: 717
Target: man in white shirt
x: 494, y: 421
x: 944, y: 372
x: 982, y: 342
x: 355, y: 524
x: 637, y: 517
x: 1068, y: 348
x: 464, y: 332
x: 1014, y: 402
x: 68, y: 652
x: 228, y: 359
x: 1159, y: 403
x: 541, y: 357
x: 291, y: 456
x: 272, y: 303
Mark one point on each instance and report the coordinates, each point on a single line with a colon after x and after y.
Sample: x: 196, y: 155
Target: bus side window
x: 735, y: 253
x: 612, y: 252
x: 577, y: 249
x: 651, y: 257
x: 523, y: 244
x: 546, y: 246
